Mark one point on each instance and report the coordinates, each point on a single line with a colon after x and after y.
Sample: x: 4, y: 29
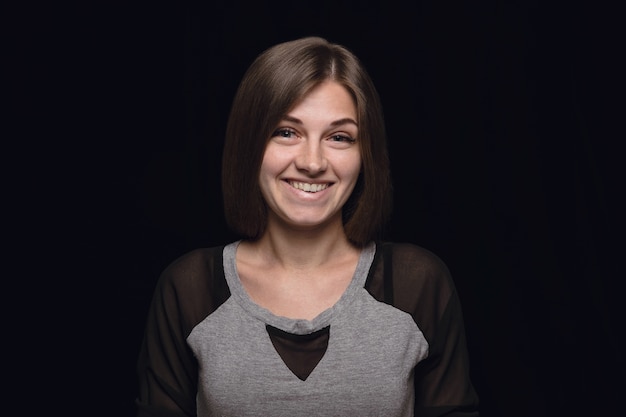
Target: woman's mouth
x: 308, y: 187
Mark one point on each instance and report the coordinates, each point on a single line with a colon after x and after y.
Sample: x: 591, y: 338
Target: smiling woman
x: 312, y: 161
x: 274, y: 84
x: 310, y: 312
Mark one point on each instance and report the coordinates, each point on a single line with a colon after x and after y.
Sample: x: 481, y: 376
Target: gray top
x: 367, y: 368
x: 393, y: 345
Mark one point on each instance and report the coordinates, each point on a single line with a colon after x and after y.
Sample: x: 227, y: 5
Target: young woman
x: 309, y: 314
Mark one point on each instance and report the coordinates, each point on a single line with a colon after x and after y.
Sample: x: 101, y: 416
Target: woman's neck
x: 302, y: 249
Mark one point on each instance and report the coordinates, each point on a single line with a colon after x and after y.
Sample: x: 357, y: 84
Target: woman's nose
x: 311, y: 157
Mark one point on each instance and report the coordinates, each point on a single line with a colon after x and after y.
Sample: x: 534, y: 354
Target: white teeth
x: 309, y: 188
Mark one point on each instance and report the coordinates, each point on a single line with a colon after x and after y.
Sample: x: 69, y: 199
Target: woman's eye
x: 284, y: 133
x: 342, y: 138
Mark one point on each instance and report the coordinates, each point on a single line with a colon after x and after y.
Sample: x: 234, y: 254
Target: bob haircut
x: 273, y: 84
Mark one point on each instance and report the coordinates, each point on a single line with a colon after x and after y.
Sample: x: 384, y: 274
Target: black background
x: 503, y: 131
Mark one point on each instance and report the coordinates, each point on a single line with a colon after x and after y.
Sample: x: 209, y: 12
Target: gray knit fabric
x: 367, y: 369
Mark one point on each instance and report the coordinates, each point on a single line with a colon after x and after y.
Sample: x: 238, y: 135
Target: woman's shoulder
x: 196, y: 268
x: 194, y: 284
x: 415, y: 256
x: 418, y: 269
x: 194, y: 259
x: 421, y: 281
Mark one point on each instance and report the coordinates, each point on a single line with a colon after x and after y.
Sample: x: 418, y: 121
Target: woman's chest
x: 361, y: 362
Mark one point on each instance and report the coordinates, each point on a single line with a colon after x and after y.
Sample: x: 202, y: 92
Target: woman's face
x: 312, y: 161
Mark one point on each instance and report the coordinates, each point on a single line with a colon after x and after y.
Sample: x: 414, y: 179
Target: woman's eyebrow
x: 345, y: 120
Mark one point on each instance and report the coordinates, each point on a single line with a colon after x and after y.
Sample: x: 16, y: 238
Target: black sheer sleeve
x: 418, y: 282
x: 188, y: 290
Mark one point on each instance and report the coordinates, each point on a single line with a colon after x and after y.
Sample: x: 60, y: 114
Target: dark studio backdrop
x: 501, y: 139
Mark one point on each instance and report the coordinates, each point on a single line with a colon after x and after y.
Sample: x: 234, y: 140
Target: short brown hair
x: 272, y: 85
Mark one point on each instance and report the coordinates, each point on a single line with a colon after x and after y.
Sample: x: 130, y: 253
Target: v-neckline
x: 290, y: 325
